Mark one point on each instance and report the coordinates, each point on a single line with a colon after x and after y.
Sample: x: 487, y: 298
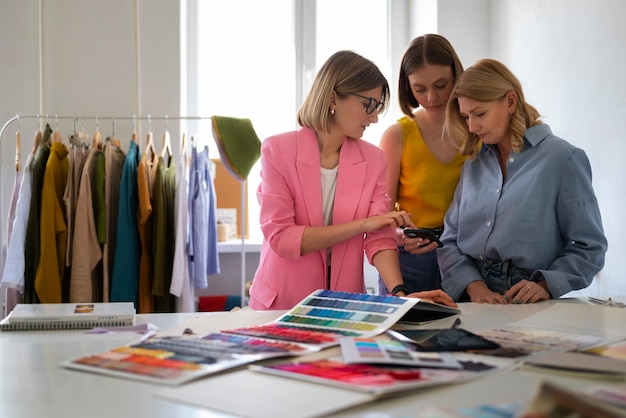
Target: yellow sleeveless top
x: 426, y: 186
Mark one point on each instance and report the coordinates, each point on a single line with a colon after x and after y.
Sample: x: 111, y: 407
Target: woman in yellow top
x: 423, y: 165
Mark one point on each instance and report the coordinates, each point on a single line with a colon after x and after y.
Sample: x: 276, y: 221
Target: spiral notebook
x: 50, y: 316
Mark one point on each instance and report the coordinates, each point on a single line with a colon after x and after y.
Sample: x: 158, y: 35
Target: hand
x: 526, y: 291
x: 438, y: 296
x: 418, y: 245
x: 395, y: 219
x: 480, y: 293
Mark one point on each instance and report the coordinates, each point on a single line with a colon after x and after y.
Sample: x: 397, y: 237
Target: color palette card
x: 376, y: 379
x: 385, y: 351
x: 317, y: 322
x: 176, y: 360
x: 325, y: 316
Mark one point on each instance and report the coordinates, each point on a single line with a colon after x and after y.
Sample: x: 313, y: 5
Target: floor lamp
x: 239, y: 148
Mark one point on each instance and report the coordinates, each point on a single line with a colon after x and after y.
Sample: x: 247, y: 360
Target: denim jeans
x: 501, y: 275
x: 420, y: 272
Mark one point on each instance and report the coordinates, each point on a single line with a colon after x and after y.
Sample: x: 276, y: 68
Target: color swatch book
x: 324, y: 317
x: 176, y: 360
x: 49, y: 316
x: 318, y: 321
x: 391, y: 352
x: 378, y: 379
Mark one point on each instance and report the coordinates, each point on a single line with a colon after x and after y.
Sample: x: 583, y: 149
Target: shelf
x: 234, y: 246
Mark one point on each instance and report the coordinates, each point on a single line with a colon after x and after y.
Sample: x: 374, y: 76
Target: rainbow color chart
x: 319, y: 321
x: 326, y: 316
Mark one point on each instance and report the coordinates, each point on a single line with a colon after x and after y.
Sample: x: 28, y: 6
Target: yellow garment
x: 53, y: 227
x: 426, y: 186
x: 146, y: 174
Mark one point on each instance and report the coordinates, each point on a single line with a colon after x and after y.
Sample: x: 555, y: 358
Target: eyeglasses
x: 372, y: 104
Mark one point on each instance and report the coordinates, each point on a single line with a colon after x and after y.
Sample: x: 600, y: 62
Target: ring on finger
x: 528, y: 287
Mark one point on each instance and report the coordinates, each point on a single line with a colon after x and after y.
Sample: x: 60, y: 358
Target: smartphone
x: 446, y: 339
x: 423, y: 233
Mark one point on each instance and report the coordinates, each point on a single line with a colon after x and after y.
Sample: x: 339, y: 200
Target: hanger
x: 134, y: 135
x: 185, y: 156
x: 97, y: 138
x: 112, y: 139
x: 149, y: 150
x: 79, y: 139
x: 38, y: 138
x: 166, y: 150
x: 56, y: 135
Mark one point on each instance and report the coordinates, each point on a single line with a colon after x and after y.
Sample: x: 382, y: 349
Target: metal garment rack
x: 134, y: 118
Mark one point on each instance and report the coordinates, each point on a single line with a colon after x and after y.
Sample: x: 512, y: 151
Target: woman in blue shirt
x: 524, y: 224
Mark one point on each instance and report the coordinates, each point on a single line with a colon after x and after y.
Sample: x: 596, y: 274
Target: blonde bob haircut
x: 344, y: 72
x: 488, y: 80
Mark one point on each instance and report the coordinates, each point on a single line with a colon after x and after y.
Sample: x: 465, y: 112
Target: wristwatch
x: 400, y: 288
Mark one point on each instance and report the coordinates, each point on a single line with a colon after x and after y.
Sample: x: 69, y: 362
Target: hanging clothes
x: 13, y: 206
x: 78, y: 152
x: 53, y: 227
x: 114, y: 158
x: 86, y: 274
x: 146, y: 173
x: 202, y: 245
x: 31, y: 244
x: 69, y: 202
x: 99, y: 203
x: 13, y: 275
x: 125, y: 273
x: 12, y: 295
x: 180, y: 283
x: 164, y: 235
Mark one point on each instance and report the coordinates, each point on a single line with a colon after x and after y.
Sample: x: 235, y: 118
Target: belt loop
x: 505, y: 269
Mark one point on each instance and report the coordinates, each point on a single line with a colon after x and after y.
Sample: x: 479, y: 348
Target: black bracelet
x: 400, y: 288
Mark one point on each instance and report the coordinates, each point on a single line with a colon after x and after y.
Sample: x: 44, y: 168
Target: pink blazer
x: 290, y: 195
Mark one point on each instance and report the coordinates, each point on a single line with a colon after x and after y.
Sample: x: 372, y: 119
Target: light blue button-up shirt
x: 543, y: 216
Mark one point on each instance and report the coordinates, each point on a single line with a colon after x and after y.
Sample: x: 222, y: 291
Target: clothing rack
x: 134, y: 118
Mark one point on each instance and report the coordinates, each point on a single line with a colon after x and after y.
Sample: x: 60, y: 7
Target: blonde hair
x: 429, y: 49
x: 344, y: 72
x: 486, y: 81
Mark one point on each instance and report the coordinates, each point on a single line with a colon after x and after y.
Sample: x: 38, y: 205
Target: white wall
x: 569, y: 55
x: 571, y: 58
x: 89, y: 57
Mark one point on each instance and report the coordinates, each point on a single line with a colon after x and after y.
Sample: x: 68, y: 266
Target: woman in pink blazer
x: 322, y: 194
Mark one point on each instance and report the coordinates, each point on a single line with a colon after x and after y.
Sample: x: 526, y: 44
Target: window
x: 248, y: 61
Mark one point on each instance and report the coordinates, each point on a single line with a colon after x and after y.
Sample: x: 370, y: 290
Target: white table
x: 34, y: 385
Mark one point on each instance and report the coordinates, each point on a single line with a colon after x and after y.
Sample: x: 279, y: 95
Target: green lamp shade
x: 238, y: 143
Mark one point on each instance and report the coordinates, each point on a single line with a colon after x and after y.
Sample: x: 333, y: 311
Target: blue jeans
x: 501, y: 275
x: 420, y: 272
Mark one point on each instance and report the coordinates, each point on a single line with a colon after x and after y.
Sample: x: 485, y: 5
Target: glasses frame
x: 372, y: 104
